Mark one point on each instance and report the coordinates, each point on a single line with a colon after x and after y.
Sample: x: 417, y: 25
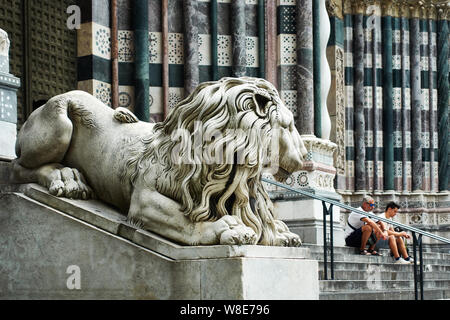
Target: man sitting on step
x: 395, y: 239
x: 360, y: 229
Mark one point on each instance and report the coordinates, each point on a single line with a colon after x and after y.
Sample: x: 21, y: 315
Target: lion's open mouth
x: 281, y: 175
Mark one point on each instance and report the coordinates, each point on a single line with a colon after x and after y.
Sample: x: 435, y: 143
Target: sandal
x: 374, y: 253
x: 364, y: 252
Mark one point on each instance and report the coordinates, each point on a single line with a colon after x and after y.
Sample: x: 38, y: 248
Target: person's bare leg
x: 401, y: 247
x: 366, y: 232
x: 393, y: 246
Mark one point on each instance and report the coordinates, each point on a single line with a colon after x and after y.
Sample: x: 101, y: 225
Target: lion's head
x: 215, y: 144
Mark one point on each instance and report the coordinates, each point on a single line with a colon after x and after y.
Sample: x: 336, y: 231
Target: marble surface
x: 443, y: 98
x: 43, y: 237
x: 191, y: 54
x: 416, y: 106
x: 359, y: 119
x: 238, y: 24
x: 305, y: 81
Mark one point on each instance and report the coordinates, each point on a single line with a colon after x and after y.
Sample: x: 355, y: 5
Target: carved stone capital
x: 387, y: 7
x: 4, y: 43
x: 347, y: 6
x: 359, y: 7
x: 431, y: 11
x: 404, y: 9
x: 443, y: 11
x: 334, y: 8
x: 416, y: 9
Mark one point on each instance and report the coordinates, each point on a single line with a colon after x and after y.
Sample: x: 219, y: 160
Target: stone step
x: 391, y: 267
x: 317, y: 251
x: 374, y: 273
x: 429, y: 294
x: 382, y: 285
x: 374, y: 259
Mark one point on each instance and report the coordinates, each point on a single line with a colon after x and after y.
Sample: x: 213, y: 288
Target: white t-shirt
x: 388, y: 225
x: 355, y: 219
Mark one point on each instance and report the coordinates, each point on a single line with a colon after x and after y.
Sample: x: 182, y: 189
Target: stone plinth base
x: 55, y: 248
x: 8, y: 134
x: 304, y: 216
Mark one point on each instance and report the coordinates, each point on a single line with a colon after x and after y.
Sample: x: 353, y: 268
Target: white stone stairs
x: 359, y: 277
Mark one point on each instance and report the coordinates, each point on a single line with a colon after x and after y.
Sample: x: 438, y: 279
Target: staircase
x: 359, y: 277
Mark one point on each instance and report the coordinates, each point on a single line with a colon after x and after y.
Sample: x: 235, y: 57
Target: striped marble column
x: 305, y: 68
x: 214, y: 35
x: 432, y: 99
x: 388, y: 114
x: 375, y: 101
x: 141, y: 75
x: 443, y: 98
x: 406, y: 108
x: 261, y: 39
x: 238, y: 37
x: 349, y: 101
x: 359, y: 119
x: 396, y: 102
x: 191, y: 71
x: 271, y: 43
x: 425, y: 89
x: 416, y: 104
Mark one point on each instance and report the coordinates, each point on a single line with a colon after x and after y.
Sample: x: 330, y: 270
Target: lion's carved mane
x: 243, y: 111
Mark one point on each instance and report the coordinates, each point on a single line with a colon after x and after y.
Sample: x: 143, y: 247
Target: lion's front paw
x: 232, y: 231
x: 288, y: 239
x: 285, y: 238
x: 69, y: 183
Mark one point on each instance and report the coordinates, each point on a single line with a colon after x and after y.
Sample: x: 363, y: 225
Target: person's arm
x: 392, y: 232
x: 375, y: 226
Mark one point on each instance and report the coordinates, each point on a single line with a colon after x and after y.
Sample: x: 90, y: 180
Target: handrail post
x: 418, y: 274
x: 330, y: 210
x: 326, y: 212
x: 415, y: 265
x: 325, y: 249
x: 421, y: 266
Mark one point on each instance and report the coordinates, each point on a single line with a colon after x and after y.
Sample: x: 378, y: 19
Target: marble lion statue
x: 194, y: 178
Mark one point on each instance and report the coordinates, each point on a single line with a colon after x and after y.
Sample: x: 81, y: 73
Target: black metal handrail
x: 417, y: 240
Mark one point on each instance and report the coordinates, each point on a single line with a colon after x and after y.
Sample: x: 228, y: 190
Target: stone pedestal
x: 55, y: 248
x: 8, y: 102
x: 303, y: 215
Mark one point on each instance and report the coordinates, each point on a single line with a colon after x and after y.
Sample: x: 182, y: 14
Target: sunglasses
x: 372, y: 204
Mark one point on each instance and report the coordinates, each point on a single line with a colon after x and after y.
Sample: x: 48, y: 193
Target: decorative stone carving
x: 8, y: 102
x: 194, y: 178
x: 4, y: 43
x: 339, y: 159
x: 4, y: 51
x: 334, y: 8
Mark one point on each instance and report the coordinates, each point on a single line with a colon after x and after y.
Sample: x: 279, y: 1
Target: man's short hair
x: 367, y: 198
x: 392, y: 205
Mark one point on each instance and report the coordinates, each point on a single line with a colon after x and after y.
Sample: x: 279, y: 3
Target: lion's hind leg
x: 41, y: 146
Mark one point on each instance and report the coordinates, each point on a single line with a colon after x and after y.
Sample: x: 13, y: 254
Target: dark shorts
x: 354, y: 239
